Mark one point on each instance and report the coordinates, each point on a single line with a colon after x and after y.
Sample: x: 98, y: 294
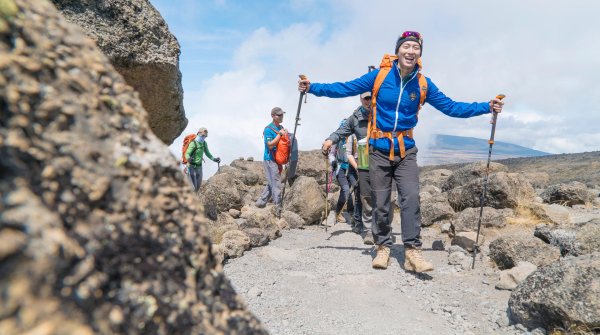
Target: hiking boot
x: 414, y: 261
x: 260, y: 204
x: 382, y: 260
x: 368, y: 238
x: 340, y: 218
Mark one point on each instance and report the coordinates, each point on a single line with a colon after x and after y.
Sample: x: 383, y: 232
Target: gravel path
x: 314, y: 282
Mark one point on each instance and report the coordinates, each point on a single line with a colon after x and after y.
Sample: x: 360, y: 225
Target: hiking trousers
x: 406, y: 174
x: 345, y: 179
x: 195, y: 176
x: 364, y: 183
x: 273, y: 188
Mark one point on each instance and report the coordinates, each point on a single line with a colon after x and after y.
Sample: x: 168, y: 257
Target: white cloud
x: 541, y: 55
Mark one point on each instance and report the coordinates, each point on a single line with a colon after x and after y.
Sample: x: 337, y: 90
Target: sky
x: 241, y: 58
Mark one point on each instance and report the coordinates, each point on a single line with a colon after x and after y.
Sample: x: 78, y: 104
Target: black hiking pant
x: 406, y: 174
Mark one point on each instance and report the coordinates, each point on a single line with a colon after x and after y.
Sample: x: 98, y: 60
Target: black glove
x: 218, y: 160
x: 334, y: 165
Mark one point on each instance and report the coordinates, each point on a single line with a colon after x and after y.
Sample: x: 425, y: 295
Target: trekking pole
x: 285, y: 175
x: 485, y: 180
x: 326, y: 213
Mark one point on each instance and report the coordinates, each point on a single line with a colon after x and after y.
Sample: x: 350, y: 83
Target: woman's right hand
x: 303, y: 84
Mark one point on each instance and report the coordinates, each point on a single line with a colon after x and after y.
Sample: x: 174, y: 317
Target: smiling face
x: 408, y: 55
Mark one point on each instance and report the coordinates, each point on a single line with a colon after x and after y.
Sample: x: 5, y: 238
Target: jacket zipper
x: 400, y: 95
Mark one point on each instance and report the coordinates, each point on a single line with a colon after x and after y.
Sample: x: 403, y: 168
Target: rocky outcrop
x: 137, y: 41
x: 99, y: 231
x: 562, y: 295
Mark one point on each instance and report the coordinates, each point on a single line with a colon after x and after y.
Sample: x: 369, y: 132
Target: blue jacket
x: 394, y: 115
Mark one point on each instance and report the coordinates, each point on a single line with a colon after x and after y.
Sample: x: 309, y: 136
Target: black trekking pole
x: 285, y: 175
x: 485, y: 180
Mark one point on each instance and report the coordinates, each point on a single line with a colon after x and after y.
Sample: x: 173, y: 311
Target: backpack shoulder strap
x: 423, y: 89
x: 384, y: 68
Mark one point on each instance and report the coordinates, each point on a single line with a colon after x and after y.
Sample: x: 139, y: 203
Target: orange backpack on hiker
x: 282, y: 150
x: 186, y: 143
x: 372, y: 131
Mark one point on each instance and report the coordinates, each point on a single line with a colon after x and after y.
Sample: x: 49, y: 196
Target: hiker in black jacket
x: 357, y: 124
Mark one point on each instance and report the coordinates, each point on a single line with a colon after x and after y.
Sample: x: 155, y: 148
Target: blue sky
x: 241, y: 58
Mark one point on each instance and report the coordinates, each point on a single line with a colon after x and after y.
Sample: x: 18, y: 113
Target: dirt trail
x: 314, y: 282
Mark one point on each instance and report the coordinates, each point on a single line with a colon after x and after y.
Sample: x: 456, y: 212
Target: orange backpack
x: 186, y: 143
x: 372, y: 131
x: 282, y: 150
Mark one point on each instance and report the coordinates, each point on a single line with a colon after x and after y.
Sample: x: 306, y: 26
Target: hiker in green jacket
x: 194, y: 155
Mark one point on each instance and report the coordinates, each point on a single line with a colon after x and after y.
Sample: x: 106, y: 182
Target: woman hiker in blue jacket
x: 392, y: 151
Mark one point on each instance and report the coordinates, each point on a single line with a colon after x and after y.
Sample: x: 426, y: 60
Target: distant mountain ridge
x: 449, y: 149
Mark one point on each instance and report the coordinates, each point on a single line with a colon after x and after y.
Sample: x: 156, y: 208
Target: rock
x: 105, y: 235
x: 508, y: 250
x: 438, y: 245
x: 435, y: 209
x: 137, y: 41
x: 430, y: 189
x: 457, y: 258
x: 293, y: 220
x: 456, y: 248
x: 434, y: 178
x: 466, y: 240
x: 510, y: 279
x: 538, y: 180
x: 306, y: 199
x: 573, y: 193
x: 220, y: 193
x: 258, y: 237
x: 468, y: 219
x: 573, y: 240
x: 234, y: 213
x: 564, y: 294
x: 505, y: 190
x: 234, y: 243
x: 554, y: 214
x: 469, y: 173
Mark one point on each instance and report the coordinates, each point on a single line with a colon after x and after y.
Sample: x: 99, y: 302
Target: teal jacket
x: 195, y: 153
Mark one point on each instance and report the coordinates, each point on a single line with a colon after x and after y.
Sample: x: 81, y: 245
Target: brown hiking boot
x: 368, y: 238
x: 414, y: 261
x: 340, y: 218
x: 382, y: 260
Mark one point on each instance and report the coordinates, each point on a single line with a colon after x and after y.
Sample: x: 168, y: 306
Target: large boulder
x: 312, y: 164
x: 435, y: 209
x: 573, y: 193
x: 306, y: 199
x: 220, y: 193
x: 435, y: 177
x: 100, y: 233
x: 469, y: 173
x: 137, y: 41
x: 563, y: 295
x: 504, y: 190
x: 468, y: 219
x: 252, y: 168
x: 508, y: 250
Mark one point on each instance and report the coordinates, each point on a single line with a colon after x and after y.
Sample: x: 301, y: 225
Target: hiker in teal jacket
x: 195, y: 155
x: 392, y: 150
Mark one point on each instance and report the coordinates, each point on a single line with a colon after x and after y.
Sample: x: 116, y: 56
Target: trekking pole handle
x: 303, y: 77
x: 494, y: 119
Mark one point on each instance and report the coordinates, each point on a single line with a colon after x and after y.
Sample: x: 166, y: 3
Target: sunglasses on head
x: 411, y: 34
